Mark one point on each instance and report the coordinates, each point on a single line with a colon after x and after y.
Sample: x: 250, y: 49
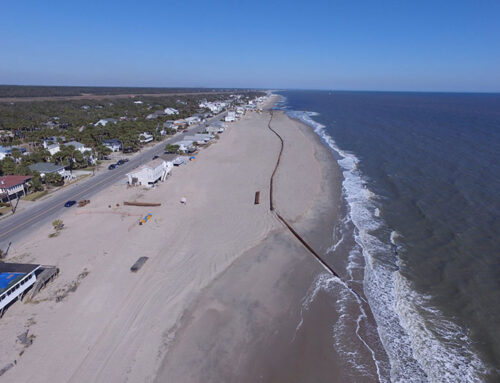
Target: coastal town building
x: 105, y: 121
x: 145, y: 137
x: 53, y: 148
x: 150, y: 173
x: 47, y: 168
x: 185, y: 146
x: 114, y: 144
x: 231, y: 116
x: 15, y: 280
x: 78, y: 146
x: 7, y: 151
x: 193, y: 120
x: 13, y: 186
x: 170, y: 111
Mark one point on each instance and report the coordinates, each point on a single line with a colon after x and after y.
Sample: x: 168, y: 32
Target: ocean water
x: 421, y: 229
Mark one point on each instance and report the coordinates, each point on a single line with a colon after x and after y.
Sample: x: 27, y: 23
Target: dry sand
x: 219, y: 298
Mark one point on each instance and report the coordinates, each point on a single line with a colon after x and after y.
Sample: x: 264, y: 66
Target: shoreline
x: 200, y: 280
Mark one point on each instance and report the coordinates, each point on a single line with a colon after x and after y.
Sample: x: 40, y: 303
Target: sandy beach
x: 221, y: 296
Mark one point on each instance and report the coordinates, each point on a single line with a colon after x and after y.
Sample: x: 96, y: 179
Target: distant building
x: 185, y: 146
x: 138, y: 102
x: 193, y: 120
x: 114, y: 144
x: 53, y: 149
x: 145, y: 137
x: 150, y: 173
x: 231, y: 116
x: 105, y: 121
x: 170, y: 111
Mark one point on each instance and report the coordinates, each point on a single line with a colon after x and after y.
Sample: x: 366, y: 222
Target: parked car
x: 120, y: 162
x: 106, y: 158
x: 111, y: 167
x: 155, y: 157
x: 125, y: 159
x: 69, y: 203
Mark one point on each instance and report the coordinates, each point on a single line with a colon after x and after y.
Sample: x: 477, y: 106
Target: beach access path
x: 98, y: 322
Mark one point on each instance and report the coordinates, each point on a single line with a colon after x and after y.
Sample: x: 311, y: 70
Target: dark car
x: 120, y: 162
x: 111, y: 167
x: 155, y: 157
x: 125, y: 160
x: 106, y: 158
x: 185, y: 131
x: 69, y: 203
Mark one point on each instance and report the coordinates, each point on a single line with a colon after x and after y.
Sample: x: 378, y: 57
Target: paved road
x: 17, y: 226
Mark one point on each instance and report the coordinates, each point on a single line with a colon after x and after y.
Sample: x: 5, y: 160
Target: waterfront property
x: 15, y: 280
x: 185, y: 146
x: 150, y: 173
x: 12, y: 186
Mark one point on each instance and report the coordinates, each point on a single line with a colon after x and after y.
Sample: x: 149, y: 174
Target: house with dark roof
x: 47, y: 168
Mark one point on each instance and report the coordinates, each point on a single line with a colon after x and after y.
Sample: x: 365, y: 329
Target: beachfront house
x: 231, y: 116
x: 200, y: 138
x: 15, y: 280
x: 185, y: 146
x: 114, y: 144
x: 12, y: 186
x: 150, y: 173
x: 145, y: 138
x: 105, y: 121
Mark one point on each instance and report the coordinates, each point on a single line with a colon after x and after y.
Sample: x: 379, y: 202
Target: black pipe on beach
x: 290, y: 228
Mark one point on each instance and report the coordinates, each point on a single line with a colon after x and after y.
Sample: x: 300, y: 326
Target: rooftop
x: 9, y: 181
x: 45, y: 167
x: 11, y: 273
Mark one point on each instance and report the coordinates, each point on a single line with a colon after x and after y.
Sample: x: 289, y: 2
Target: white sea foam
x: 419, y: 350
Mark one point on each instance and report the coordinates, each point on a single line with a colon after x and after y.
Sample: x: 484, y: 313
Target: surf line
x: 318, y: 257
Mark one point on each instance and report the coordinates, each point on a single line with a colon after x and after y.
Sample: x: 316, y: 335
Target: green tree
x: 16, y: 153
x: 54, y: 179
x: 8, y: 166
x: 172, y: 148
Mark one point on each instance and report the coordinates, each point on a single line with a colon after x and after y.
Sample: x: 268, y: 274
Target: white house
x: 185, y: 145
x: 145, y: 137
x: 53, y: 149
x: 150, y: 173
x: 138, y: 102
x: 16, y: 279
x: 78, y: 146
x: 105, y: 121
x: 193, y: 120
x: 170, y: 111
x: 231, y: 116
x: 47, y: 168
x: 114, y: 145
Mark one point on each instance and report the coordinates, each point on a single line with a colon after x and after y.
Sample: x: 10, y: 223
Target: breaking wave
x: 420, y: 343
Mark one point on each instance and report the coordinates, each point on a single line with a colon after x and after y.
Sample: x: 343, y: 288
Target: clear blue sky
x: 372, y: 45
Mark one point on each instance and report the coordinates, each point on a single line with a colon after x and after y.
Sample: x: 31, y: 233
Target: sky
x: 336, y: 45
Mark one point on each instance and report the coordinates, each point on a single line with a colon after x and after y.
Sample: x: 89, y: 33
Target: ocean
x: 419, y: 233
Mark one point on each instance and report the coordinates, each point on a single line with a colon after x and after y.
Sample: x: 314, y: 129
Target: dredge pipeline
x: 290, y: 228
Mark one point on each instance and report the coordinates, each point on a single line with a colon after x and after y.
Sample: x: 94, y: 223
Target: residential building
x: 15, y: 279
x: 47, y: 168
x: 145, y: 137
x: 52, y: 149
x: 11, y: 186
x: 193, y: 120
x: 105, y: 121
x: 185, y: 146
x: 114, y: 144
x: 150, y: 173
x: 170, y: 111
x: 7, y: 151
x: 231, y: 116
x: 78, y: 146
